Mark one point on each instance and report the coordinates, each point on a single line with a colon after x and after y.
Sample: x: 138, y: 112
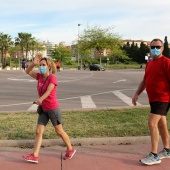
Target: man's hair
x: 157, y: 39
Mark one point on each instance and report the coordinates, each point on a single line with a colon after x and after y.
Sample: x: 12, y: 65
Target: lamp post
x: 78, y: 55
x: 16, y: 61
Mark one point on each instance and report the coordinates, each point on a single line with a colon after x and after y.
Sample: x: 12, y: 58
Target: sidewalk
x: 123, y: 156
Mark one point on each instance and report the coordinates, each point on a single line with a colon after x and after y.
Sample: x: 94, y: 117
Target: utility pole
x: 78, y: 49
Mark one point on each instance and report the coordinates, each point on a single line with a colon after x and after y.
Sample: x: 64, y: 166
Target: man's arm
x: 140, y: 89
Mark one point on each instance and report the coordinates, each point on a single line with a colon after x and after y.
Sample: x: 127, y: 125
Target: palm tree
x: 35, y: 47
x: 19, y: 41
x: 5, y: 43
x: 24, y: 40
x: 1, y: 46
x: 28, y: 40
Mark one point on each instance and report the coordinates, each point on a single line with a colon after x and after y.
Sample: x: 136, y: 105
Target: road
x: 76, y: 89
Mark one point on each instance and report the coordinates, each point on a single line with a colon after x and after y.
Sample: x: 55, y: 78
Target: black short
x: 160, y: 108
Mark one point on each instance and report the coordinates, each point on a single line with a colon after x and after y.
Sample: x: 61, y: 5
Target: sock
x: 167, y: 149
x: 155, y: 154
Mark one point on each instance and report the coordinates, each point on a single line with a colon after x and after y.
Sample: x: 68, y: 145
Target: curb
x: 79, y: 141
x: 84, y: 110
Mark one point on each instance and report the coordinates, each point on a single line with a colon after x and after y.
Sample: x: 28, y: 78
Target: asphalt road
x: 76, y: 89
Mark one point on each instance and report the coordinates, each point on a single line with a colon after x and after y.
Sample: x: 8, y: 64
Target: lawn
x: 99, y: 123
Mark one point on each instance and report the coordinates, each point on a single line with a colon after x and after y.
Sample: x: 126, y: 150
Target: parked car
x: 96, y: 67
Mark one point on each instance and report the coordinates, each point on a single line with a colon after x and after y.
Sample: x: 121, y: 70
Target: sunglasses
x: 158, y: 47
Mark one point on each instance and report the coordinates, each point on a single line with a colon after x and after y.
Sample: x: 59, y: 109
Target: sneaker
x: 164, y: 154
x: 69, y: 154
x: 31, y: 158
x: 150, y: 160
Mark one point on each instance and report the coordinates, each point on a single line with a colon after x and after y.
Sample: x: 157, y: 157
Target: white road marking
x: 144, y: 91
x: 15, y: 104
x: 87, y: 102
x: 119, y: 81
x: 124, y: 98
x: 33, y: 107
x: 14, y: 79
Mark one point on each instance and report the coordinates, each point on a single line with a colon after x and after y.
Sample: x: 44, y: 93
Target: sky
x: 57, y: 20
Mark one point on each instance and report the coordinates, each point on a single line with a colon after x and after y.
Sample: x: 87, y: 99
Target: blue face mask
x: 42, y: 69
x: 155, y: 52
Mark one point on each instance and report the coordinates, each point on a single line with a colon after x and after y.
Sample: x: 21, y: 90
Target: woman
x: 46, y: 87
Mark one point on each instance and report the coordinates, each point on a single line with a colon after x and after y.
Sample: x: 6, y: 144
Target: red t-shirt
x: 51, y: 102
x: 157, y: 79
x: 58, y: 64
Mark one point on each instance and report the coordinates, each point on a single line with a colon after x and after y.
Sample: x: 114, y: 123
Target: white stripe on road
x: 125, y: 98
x: 33, y: 107
x: 144, y: 91
x: 119, y: 81
x: 87, y: 102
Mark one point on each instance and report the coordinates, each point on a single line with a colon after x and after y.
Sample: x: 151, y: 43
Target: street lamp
x: 78, y: 48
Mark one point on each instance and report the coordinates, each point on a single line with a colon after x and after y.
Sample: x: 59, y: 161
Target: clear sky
x: 57, y: 20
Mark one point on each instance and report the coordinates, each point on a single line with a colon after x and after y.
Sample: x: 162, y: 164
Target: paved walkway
x: 88, y: 157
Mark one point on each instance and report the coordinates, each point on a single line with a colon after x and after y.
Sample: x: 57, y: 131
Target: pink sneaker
x: 69, y: 154
x: 31, y: 158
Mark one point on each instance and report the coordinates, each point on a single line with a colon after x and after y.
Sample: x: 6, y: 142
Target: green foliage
x: 5, y: 43
x: 135, y: 53
x: 118, y: 55
x: 69, y: 62
x: 100, y: 39
x: 61, y: 54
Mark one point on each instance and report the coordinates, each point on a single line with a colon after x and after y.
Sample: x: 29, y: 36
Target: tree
x: 99, y: 39
x: 135, y: 53
x: 143, y: 50
x: 5, y: 43
x: 84, y: 53
x: 118, y: 55
x: 132, y: 50
x: 35, y: 47
x: 61, y: 53
x: 24, y: 40
x: 166, y: 47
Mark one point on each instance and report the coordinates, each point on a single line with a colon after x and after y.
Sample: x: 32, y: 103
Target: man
x: 156, y: 80
x: 58, y: 66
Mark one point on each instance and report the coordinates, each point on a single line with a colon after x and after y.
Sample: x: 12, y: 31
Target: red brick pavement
x: 99, y: 157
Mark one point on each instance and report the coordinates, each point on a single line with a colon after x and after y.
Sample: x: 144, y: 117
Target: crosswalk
x: 110, y: 99
x: 87, y: 102
x: 124, y: 98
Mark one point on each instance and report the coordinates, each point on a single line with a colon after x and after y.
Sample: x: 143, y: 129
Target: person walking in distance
x: 23, y: 63
x: 48, y: 106
x: 58, y: 66
x: 156, y: 80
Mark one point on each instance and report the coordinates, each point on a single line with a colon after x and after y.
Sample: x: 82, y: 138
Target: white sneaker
x: 163, y: 154
x: 150, y: 160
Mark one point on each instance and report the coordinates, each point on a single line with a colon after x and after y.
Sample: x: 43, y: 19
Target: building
x: 49, y: 47
x: 63, y: 43
x: 138, y: 42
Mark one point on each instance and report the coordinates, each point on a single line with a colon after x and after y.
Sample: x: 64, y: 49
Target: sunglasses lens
x: 158, y: 47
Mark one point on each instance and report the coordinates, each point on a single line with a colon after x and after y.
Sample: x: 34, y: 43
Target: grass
x: 100, y: 123
x: 114, y: 66
x: 126, y: 66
